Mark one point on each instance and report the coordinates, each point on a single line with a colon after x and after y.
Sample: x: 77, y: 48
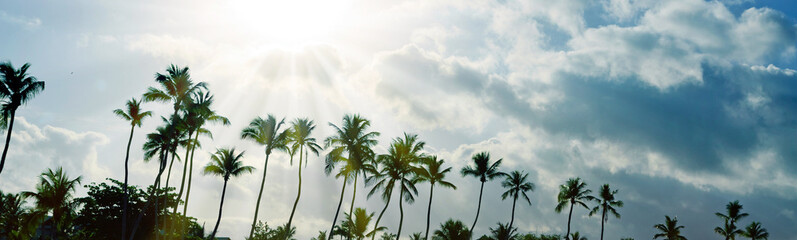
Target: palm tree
x: 398, y: 168
x: 484, y: 171
x: 416, y: 236
x: 265, y: 132
x: 433, y: 172
x: 755, y: 231
x: 201, y: 113
x: 574, y: 192
x: 16, y: 88
x: 503, y: 232
x: 517, y: 185
x: 577, y: 236
x: 728, y: 230
x: 300, y: 140
x: 225, y: 163
x: 358, y: 224
x: 133, y: 114
x: 669, y: 230
x: 607, y: 204
x: 452, y: 230
x: 54, y: 194
x: 734, y: 214
x: 356, y: 141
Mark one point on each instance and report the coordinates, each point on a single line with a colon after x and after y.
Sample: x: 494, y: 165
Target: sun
x: 290, y: 23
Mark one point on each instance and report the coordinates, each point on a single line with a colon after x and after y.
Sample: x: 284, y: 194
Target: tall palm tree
x: 433, y: 172
x: 358, y: 224
x: 356, y: 141
x: 755, y: 231
x: 669, y: 230
x: 299, y: 139
x: 503, y: 232
x: 265, y: 132
x: 572, y: 193
x: 225, y: 163
x: 517, y: 185
x: 731, y: 217
x: 452, y: 230
x: 608, y: 203
x: 54, y: 194
x: 202, y: 114
x: 16, y: 88
x: 484, y: 171
x: 135, y: 115
x: 398, y: 168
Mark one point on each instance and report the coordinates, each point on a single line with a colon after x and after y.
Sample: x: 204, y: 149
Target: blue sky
x: 683, y: 105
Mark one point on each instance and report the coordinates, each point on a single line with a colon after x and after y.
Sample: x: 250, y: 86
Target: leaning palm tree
x: 607, y: 204
x: 398, y: 169
x: 733, y: 215
x: 54, y: 194
x: 135, y: 115
x: 517, y: 185
x: 485, y: 172
x: 265, y: 132
x: 452, y: 230
x: 300, y: 140
x: 572, y: 193
x: 356, y: 141
x: 755, y: 231
x: 225, y: 163
x: 433, y: 172
x: 16, y: 88
x: 358, y: 224
x: 669, y: 230
x: 503, y: 232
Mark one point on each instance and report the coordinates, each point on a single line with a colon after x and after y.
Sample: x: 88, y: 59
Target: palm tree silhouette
x: 577, y: 236
x: 755, y: 231
x: 198, y: 114
x: 225, y: 163
x: 265, y: 132
x: 300, y: 140
x: 517, y: 185
x: 452, y: 230
x: 133, y: 114
x: 54, y: 194
x: 433, y: 172
x: 503, y: 232
x: 572, y: 193
x: 398, y: 168
x: 358, y: 224
x: 485, y: 171
x: 354, y: 139
x: 607, y: 204
x: 16, y: 88
x: 669, y: 230
x: 734, y: 214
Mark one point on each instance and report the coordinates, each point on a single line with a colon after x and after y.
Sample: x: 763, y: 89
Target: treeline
x: 118, y: 210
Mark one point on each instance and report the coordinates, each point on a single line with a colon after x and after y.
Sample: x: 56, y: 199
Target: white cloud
x: 25, y: 22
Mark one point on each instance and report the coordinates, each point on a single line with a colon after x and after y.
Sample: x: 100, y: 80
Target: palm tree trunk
x: 353, y: 194
x: 185, y: 170
x: 124, y: 187
x: 157, y: 213
x: 8, y: 140
x: 512, y: 221
x: 603, y: 220
x: 429, y: 211
x: 567, y: 236
x: 401, y: 212
x: 259, y: 196
x: 340, y: 202
x: 169, y: 173
x: 221, y: 204
x: 481, y: 191
x: 298, y: 194
x: 387, y: 203
x: 161, y: 168
x: 190, y: 175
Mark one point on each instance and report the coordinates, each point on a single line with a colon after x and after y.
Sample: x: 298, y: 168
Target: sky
x: 682, y: 105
